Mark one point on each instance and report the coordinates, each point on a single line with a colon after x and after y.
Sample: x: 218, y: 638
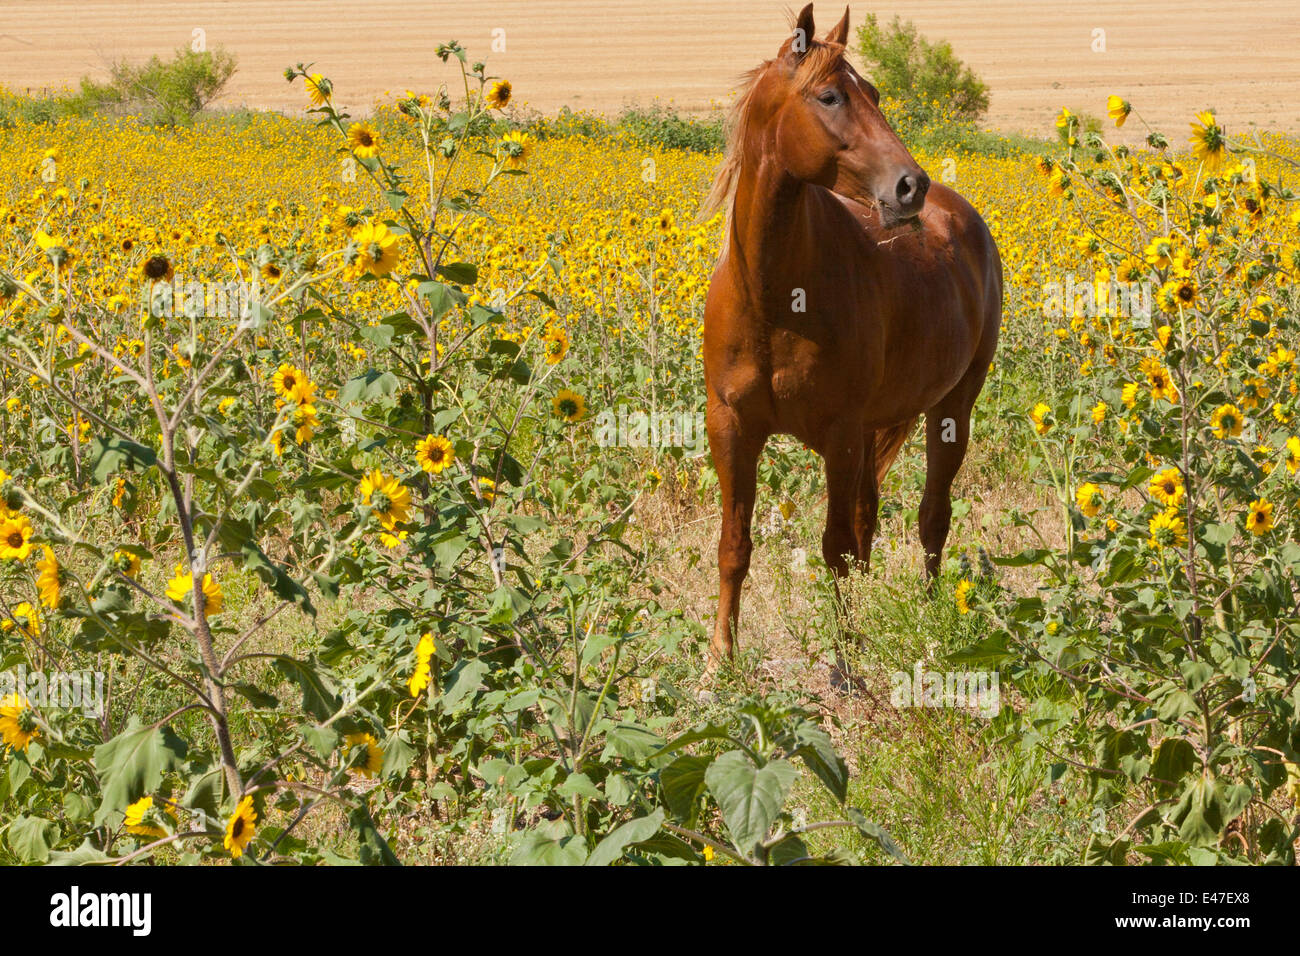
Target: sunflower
x: 47, y: 579
x: 17, y: 722
x: 374, y: 754
x: 157, y: 269
x: 182, y: 583
x: 569, y: 405
x: 1099, y: 413
x: 487, y: 489
x: 304, y: 423
x: 363, y: 140
x: 292, y: 384
x: 24, y: 619
x: 15, y: 536
x: 434, y: 453
x: 1118, y: 108
x: 319, y: 89
x: 1159, y: 379
x: 959, y: 596
x: 515, y: 146
x: 1167, y: 487
x: 1179, y: 292
x: 1167, y: 530
x: 555, y: 343
x: 126, y: 563
x: 1226, y: 421
x: 1259, y: 520
x: 240, y: 827
x: 1292, y: 454
x: 272, y: 272
x: 136, y: 815
x: 1209, y: 144
x: 498, y: 94
x: 1041, y: 416
x: 389, y: 500
x: 665, y: 222
x: 376, y: 250
x: 1089, y: 498
x: 423, y: 655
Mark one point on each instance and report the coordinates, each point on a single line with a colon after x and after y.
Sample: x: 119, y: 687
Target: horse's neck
x: 769, y: 233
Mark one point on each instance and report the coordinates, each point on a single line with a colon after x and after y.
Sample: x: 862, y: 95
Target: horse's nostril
x: 911, y: 189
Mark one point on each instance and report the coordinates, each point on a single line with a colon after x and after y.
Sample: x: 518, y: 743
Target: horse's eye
x: 829, y: 98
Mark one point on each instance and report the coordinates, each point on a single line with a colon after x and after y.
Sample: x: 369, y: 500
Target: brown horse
x: 851, y: 296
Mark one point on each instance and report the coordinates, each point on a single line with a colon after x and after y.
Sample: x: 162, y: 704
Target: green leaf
x: 874, y: 831
x: 319, y: 696
x: 550, y: 844
x: 682, y: 783
x: 31, y: 838
x: 461, y: 273
x: 750, y: 798
x: 110, y: 455
x: 462, y: 682
x: 610, y: 849
x: 133, y: 763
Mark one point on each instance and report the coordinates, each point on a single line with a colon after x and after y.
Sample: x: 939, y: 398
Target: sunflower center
x: 15, y: 539
x: 381, y: 502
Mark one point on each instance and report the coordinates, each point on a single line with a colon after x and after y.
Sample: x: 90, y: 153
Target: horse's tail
x: 889, y: 441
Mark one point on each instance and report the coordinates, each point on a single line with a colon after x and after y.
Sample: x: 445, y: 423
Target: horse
x: 851, y: 296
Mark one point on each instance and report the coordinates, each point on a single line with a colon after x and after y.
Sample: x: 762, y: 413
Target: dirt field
x: 1168, y: 58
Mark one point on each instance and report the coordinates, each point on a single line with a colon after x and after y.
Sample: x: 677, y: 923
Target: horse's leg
x: 947, y: 433
x: 868, y: 502
x: 844, y: 454
x: 735, y: 457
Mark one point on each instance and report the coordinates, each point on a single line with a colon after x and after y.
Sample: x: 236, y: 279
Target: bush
x: 166, y: 93
x: 927, y: 77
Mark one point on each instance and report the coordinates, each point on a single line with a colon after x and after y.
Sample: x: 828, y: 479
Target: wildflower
x: 1041, y: 416
x: 515, y: 145
x: 23, y: 618
x: 376, y: 250
x: 18, y: 725
x: 1167, y: 530
x: 434, y: 453
x: 241, y: 827
x: 1099, y: 413
x: 1292, y: 454
x: 423, y: 655
x: 374, y: 754
x: 569, y: 405
x: 1259, y: 520
x: 555, y: 343
x: 959, y: 596
x: 1167, y: 487
x: 1226, y: 421
x: 1118, y: 109
x: 48, y: 580
x: 182, y: 583
x: 498, y: 94
x: 137, y: 815
x: 388, y: 498
x: 1209, y: 144
x: 1089, y: 498
x: 126, y: 563
x: 363, y: 141
x: 319, y: 89
x: 15, y: 536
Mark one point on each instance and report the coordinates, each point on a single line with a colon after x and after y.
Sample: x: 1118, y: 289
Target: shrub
x: 927, y: 77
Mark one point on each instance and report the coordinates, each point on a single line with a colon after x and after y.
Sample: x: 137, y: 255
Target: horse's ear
x: 840, y: 32
x: 801, y: 37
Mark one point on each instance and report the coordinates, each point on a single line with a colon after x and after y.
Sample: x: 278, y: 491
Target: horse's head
x: 828, y: 126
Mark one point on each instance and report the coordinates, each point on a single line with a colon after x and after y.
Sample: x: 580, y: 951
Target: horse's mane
x: 821, y: 60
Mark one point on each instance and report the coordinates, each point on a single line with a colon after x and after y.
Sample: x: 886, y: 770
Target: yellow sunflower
x: 423, y: 655
x: 17, y: 722
x: 960, y: 596
x: 1089, y: 499
x: 363, y: 140
x: 555, y: 343
x: 1259, y: 520
x: 47, y: 579
x: 24, y: 619
x: 498, y: 94
x: 319, y: 89
x: 1209, y: 144
x: 515, y: 146
x: 388, y: 498
x: 376, y: 250
x: 373, y: 761
x: 1167, y: 487
x: 241, y: 827
x: 182, y: 583
x: 15, y: 537
x: 569, y: 405
x: 1118, y: 108
x: 137, y: 816
x: 1167, y: 530
x: 434, y: 453
x: 1226, y: 421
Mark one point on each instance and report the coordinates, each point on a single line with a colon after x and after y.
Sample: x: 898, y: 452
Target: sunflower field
x: 315, y: 546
